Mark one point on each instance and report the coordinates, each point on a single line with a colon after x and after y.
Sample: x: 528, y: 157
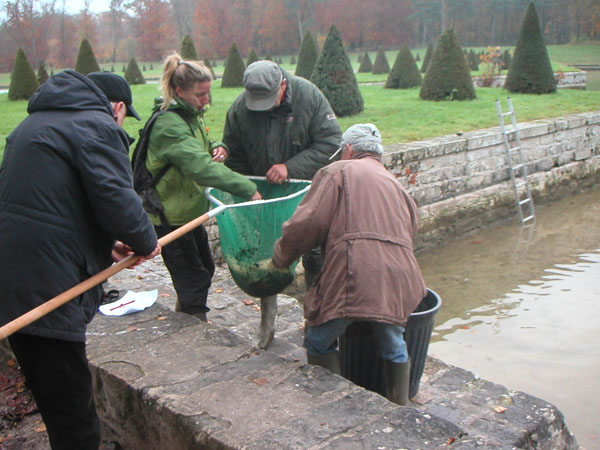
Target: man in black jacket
x: 66, y: 206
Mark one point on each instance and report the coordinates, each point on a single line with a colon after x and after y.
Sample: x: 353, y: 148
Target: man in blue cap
x: 67, y: 210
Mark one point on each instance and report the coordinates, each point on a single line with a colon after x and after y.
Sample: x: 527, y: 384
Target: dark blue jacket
x: 65, y: 196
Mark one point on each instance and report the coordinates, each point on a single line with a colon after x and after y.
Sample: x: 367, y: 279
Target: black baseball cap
x: 116, y: 89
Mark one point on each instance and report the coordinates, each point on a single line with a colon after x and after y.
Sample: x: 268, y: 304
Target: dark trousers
x: 190, y: 263
x: 60, y: 380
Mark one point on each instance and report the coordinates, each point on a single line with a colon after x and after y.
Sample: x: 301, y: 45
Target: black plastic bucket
x: 358, y: 349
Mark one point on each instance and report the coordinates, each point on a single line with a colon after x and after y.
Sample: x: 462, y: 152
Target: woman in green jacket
x: 180, y: 138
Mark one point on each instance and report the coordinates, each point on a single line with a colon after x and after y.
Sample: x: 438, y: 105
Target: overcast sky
x: 74, y: 6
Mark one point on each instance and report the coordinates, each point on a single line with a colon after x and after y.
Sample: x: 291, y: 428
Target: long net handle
x: 68, y: 295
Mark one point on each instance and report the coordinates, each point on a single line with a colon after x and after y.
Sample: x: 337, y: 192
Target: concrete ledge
x: 166, y: 380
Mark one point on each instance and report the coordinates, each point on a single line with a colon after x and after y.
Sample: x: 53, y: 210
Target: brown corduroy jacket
x: 365, y: 221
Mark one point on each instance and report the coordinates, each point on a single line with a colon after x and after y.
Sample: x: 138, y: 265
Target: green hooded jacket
x: 302, y: 132
x: 185, y: 144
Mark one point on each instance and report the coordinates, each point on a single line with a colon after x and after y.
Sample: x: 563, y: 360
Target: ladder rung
x: 517, y: 167
x: 507, y: 113
x: 520, y: 184
x: 522, y: 202
x: 514, y: 149
x: 528, y: 218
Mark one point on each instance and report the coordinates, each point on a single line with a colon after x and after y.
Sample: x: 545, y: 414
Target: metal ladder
x: 516, y: 165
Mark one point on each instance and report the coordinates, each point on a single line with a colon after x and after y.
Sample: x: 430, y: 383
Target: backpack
x: 143, y: 181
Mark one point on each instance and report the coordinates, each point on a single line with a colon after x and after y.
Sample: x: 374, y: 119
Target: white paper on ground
x: 131, y: 302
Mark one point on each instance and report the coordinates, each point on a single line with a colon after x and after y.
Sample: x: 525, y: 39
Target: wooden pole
x: 76, y: 291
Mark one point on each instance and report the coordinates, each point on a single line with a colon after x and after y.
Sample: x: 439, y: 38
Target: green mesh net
x: 249, y: 231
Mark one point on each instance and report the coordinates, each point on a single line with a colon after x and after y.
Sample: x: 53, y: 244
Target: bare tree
x: 183, y: 13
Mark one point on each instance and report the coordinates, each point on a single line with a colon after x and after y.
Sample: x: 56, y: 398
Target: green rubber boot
x: 397, y: 377
x: 330, y: 361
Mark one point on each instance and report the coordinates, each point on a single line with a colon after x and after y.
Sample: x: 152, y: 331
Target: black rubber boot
x: 397, y: 377
x: 330, y: 361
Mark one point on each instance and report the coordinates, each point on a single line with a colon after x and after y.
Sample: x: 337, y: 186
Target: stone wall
x: 571, y: 80
x: 462, y: 182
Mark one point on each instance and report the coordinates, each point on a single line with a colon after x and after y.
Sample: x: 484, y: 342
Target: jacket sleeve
x: 105, y: 170
x: 325, y: 136
x: 237, y: 159
x: 309, y: 226
x: 173, y: 141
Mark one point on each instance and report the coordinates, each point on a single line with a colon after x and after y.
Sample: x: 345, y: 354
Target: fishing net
x: 249, y: 231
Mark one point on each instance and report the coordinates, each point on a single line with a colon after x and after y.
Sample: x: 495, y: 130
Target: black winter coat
x: 65, y: 196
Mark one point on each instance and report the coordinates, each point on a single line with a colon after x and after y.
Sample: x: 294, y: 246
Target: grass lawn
x: 400, y: 114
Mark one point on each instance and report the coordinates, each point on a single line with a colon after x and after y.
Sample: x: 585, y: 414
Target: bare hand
x: 256, y: 196
x: 219, y: 154
x: 277, y: 174
x: 121, y: 251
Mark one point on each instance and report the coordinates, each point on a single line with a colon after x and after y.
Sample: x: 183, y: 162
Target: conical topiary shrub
x: 365, y: 65
x: 133, y: 75
x: 427, y: 58
x: 381, y: 64
x: 506, y: 59
x: 405, y: 73
x: 473, y: 60
x: 234, y: 68
x: 209, y: 67
x: 23, y: 82
x: 333, y: 74
x: 530, y: 70
x: 417, y: 58
x: 86, y: 60
x: 42, y: 74
x: 187, y: 50
x: 307, y: 57
x: 252, y: 57
x: 448, y: 76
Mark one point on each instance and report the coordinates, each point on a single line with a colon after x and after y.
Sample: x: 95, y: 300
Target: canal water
x: 522, y: 307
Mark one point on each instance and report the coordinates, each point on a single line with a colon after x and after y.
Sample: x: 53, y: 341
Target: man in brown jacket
x: 365, y: 221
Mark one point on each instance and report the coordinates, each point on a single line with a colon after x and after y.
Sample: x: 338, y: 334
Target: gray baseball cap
x: 262, y: 80
x: 366, y: 134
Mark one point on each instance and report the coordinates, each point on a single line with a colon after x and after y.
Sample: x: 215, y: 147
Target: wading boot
x: 396, y: 376
x: 330, y: 361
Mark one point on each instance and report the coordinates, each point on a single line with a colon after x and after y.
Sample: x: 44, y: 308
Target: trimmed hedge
x: 365, y: 65
x: 427, y: 58
x: 252, y: 57
x: 307, y: 57
x: 234, y: 68
x: 23, y: 82
x: 188, y: 49
x: 448, y: 76
x: 335, y: 77
x: 381, y: 64
x: 405, y: 73
x: 530, y: 71
x: 86, y: 60
x: 133, y: 74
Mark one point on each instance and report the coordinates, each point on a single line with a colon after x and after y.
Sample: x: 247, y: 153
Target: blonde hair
x: 180, y: 73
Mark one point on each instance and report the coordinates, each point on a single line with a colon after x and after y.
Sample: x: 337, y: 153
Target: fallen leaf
x: 413, y: 179
x: 219, y: 290
x: 11, y: 363
x: 450, y: 441
x: 139, y: 277
x: 408, y: 171
x: 261, y: 381
x: 165, y: 295
x: 248, y: 302
x: 40, y: 429
x: 6, y: 438
x: 256, y: 308
x: 161, y: 318
x: 499, y: 409
x: 465, y: 327
x: 132, y: 328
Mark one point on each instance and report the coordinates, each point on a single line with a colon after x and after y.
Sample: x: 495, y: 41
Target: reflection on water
x: 521, y: 307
